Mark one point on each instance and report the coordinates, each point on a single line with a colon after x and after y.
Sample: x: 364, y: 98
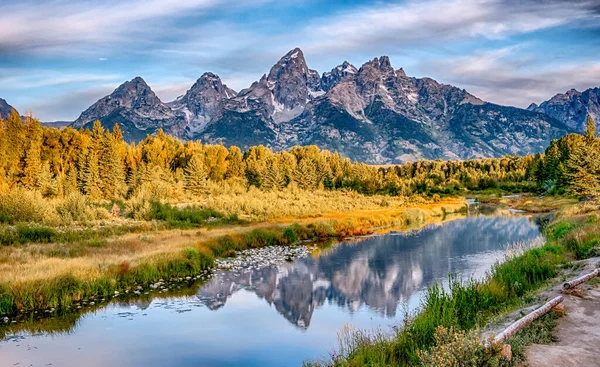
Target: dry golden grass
x: 534, y: 204
x: 257, y: 205
x: 43, y: 261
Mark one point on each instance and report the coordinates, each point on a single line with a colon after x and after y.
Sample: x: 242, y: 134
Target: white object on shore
x: 582, y: 279
x: 521, y: 323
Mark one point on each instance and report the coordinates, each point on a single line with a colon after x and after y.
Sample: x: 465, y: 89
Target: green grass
x: 190, y: 216
x: 466, y: 306
x: 33, y: 233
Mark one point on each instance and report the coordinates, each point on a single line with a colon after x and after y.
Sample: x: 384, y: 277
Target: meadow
x: 48, y: 260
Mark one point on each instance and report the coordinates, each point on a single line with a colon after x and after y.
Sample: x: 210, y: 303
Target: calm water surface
x: 276, y: 316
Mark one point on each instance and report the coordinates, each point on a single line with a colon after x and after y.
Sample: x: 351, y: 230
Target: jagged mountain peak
x: 292, y: 61
x: 382, y: 64
x: 132, y: 91
x: 573, y: 107
x: 136, y: 108
x: 333, y: 77
x: 202, y: 102
x: 210, y: 81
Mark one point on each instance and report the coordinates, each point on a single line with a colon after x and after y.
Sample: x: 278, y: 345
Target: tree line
x: 571, y: 164
x: 101, y: 165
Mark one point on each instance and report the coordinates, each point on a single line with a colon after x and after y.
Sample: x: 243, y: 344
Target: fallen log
x: 521, y: 323
x: 582, y: 279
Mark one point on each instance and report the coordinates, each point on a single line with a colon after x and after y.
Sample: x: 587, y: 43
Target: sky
x: 57, y: 57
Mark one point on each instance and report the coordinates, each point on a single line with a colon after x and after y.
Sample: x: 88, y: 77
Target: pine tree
x: 32, y: 164
x: 590, y: 131
x: 583, y: 166
x: 15, y: 147
x: 111, y: 170
x: 305, y: 174
x: 91, y: 177
x: 195, y: 175
x: 46, y: 183
x: 274, y: 178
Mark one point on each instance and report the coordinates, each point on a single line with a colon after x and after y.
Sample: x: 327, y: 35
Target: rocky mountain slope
x: 373, y: 113
x: 572, y: 107
x: 5, y: 109
x: 137, y: 110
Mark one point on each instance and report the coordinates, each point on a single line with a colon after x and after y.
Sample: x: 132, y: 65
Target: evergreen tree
x: 590, y: 131
x: 111, y: 170
x: 274, y: 178
x: 46, y: 183
x: 32, y: 164
x: 91, y: 177
x: 305, y: 174
x: 583, y: 170
x: 583, y: 166
x: 195, y: 175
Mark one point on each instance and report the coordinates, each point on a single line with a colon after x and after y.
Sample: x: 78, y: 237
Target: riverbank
x: 57, y: 275
x: 445, y: 331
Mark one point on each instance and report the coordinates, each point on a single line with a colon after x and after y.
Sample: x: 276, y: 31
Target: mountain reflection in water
x: 380, y: 272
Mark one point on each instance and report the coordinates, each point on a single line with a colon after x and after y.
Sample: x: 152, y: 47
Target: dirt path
x: 578, y: 332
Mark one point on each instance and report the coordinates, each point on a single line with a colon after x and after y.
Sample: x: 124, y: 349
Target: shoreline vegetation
x: 41, y: 276
x: 445, y: 330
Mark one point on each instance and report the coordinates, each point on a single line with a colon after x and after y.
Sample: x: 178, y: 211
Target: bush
x: 22, y: 205
x: 75, y: 207
x: 140, y: 204
x: 457, y: 348
x: 22, y: 233
x: 560, y: 230
x: 261, y: 238
x: 186, y: 217
x: 290, y: 235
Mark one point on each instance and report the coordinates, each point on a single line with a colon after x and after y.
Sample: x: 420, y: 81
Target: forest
x: 99, y: 166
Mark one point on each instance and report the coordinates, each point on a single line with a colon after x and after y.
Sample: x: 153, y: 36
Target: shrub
x: 75, y: 207
x: 290, y: 235
x: 457, y: 348
x: 186, y: 217
x: 560, y: 230
x: 22, y: 205
x: 140, y: 204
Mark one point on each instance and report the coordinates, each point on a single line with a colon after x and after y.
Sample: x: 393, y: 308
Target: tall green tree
x: 583, y: 166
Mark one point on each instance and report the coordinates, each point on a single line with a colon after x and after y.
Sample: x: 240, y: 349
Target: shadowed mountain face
x: 5, y: 109
x: 380, y: 273
x: 374, y: 114
x: 572, y: 108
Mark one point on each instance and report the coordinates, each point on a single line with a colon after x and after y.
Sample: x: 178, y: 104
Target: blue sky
x: 57, y: 57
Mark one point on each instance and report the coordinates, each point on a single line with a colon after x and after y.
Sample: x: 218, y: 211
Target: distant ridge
x: 373, y: 113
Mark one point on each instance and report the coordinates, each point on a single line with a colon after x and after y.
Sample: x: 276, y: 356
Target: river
x: 276, y: 315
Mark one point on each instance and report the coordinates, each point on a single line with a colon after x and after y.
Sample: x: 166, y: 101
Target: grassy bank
x: 446, y: 318
x: 55, y: 275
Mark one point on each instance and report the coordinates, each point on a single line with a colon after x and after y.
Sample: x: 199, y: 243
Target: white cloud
x: 27, y: 78
x: 47, y: 26
x: 436, y: 21
x: 510, y: 76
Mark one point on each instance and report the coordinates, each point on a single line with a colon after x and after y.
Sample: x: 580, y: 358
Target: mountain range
x: 375, y: 113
